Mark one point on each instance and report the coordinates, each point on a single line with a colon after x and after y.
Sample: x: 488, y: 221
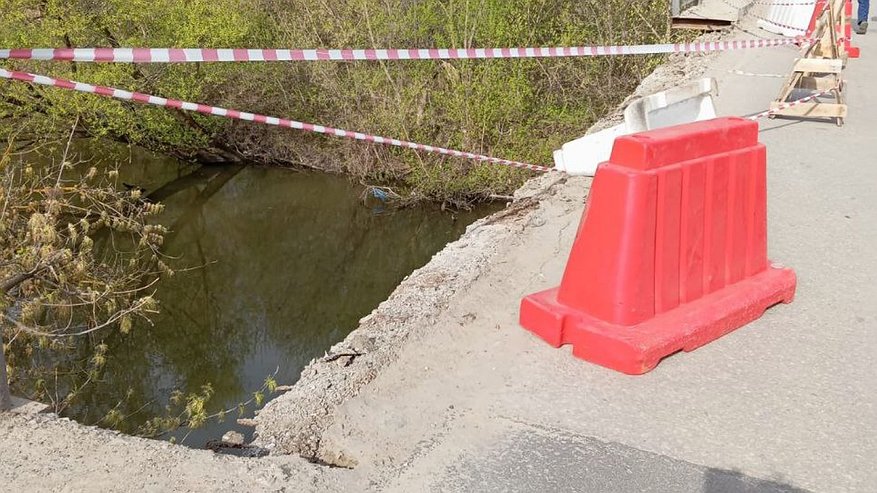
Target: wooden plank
x: 705, y: 15
x: 699, y: 24
x: 812, y: 110
x: 819, y: 65
x: 838, y: 7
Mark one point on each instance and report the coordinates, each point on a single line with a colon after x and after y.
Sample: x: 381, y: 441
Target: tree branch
x: 12, y: 282
x: 137, y: 306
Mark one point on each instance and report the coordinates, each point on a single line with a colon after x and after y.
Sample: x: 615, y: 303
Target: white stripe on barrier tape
x: 754, y: 74
x: 267, y: 120
x: 188, y: 55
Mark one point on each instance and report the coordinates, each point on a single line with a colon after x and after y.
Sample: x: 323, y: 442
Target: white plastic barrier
x: 689, y: 103
x: 786, y: 18
x: 581, y: 156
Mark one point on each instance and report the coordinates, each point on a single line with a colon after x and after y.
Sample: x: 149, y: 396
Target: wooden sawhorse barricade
x: 820, y: 70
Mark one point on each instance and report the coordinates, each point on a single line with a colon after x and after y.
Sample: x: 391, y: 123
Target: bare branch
x: 137, y: 307
x: 66, y: 152
x: 10, y: 283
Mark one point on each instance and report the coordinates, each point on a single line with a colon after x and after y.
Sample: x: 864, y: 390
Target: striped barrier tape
x: 142, y: 98
x: 786, y: 4
x: 790, y: 104
x: 781, y: 3
x: 754, y: 74
x: 189, y: 55
x: 110, y: 92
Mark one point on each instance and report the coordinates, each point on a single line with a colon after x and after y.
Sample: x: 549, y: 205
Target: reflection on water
x: 291, y: 261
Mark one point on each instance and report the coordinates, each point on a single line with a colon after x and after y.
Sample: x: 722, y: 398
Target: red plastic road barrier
x: 846, y: 40
x: 820, y: 7
x: 853, y: 51
x: 671, y: 252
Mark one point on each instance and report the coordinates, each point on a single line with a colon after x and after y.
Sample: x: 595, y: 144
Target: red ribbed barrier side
x: 852, y: 51
x: 671, y: 252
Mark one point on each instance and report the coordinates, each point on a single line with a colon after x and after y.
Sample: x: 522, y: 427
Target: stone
x: 233, y: 437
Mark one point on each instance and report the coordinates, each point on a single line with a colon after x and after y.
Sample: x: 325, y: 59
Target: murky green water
x: 285, y: 263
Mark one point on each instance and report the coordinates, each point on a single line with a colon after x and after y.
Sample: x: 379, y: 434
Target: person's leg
x: 862, y: 22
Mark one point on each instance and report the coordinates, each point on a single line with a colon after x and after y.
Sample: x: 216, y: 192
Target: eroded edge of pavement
x: 293, y: 423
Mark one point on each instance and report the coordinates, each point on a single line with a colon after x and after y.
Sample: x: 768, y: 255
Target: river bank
x: 296, y: 422
x: 292, y: 425
x: 273, y: 266
x: 444, y: 391
x: 46, y: 451
x: 472, y: 401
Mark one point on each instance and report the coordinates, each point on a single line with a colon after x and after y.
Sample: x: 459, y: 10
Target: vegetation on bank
x: 81, y: 256
x: 517, y: 109
x: 79, y: 253
x: 78, y: 256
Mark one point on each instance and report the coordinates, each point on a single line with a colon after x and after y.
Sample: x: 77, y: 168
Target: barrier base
x: 639, y: 348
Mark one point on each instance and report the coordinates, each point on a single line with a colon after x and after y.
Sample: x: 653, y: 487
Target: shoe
x: 862, y: 27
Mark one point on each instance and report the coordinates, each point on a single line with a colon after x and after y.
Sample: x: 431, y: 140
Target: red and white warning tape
x: 186, y: 55
x: 755, y: 74
x: 789, y: 105
x: 786, y: 4
x: 242, y: 115
x: 142, y: 98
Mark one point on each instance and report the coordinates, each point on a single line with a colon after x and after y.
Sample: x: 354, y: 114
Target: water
x: 284, y: 264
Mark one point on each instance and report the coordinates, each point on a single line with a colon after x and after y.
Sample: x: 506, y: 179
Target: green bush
x: 516, y: 109
x: 159, y: 23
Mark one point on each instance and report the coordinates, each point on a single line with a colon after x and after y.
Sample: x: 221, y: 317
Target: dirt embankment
x: 47, y: 453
